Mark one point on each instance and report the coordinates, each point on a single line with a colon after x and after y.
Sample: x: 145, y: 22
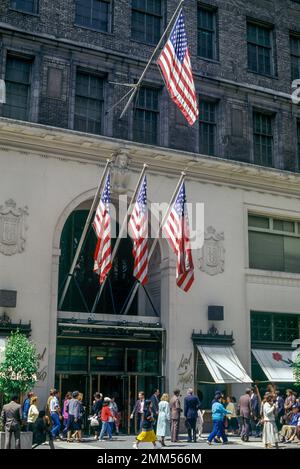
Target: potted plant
x: 18, y: 374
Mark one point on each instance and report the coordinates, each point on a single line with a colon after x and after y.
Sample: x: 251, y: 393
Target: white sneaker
x: 135, y: 446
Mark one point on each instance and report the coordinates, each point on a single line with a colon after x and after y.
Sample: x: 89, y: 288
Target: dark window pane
x: 146, y: 20
x: 207, y: 127
x: 270, y: 327
x: 142, y: 361
x: 145, y: 116
x: 17, y: 80
x: 259, y: 49
x: 93, y: 14
x: 88, y: 103
x: 291, y: 254
x: 263, y: 139
x: 257, y: 221
x: 266, y: 251
x: 30, y: 6
x: 107, y: 359
x: 206, y: 33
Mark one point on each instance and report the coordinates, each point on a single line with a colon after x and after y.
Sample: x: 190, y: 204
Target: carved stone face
x: 121, y: 160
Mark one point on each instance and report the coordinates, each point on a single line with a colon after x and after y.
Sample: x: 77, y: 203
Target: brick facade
x: 59, y: 47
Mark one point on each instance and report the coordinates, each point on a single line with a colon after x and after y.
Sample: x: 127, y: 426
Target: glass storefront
x: 114, y: 368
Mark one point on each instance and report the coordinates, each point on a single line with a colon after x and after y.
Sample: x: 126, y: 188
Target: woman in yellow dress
x: 147, y: 433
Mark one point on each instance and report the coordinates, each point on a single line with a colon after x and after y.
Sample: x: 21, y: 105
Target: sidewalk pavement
x: 126, y: 442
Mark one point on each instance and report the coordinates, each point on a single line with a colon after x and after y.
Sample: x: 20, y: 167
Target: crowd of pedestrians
x: 274, y: 418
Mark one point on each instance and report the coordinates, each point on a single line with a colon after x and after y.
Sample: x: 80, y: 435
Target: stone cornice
x: 30, y: 138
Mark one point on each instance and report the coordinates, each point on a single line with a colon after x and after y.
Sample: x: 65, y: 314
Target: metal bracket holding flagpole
x: 83, y: 235
x: 119, y: 238
x: 137, y: 85
x: 156, y: 239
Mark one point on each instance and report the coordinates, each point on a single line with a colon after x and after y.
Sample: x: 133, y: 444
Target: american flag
x: 176, y: 229
x: 175, y: 64
x: 138, y: 228
x: 102, y: 227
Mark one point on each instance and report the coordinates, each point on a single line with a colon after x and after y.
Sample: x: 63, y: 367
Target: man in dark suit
x: 154, y: 407
x: 11, y: 416
x: 244, y: 409
x: 191, y: 407
x: 255, y: 413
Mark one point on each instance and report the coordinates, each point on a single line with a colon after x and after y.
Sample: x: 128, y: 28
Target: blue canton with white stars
x: 105, y: 197
x: 142, y: 196
x: 180, y: 201
x: 178, y: 38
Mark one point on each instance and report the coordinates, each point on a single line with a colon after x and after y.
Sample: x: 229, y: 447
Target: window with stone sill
x: 207, y: 127
x: 274, y: 327
x: 89, y: 101
x: 260, y: 49
x: 94, y: 14
x: 263, y: 138
x: 295, y: 57
x: 26, y: 6
x: 146, y: 116
x: 274, y: 244
x: 146, y: 20
x: 17, y: 80
x: 207, y: 33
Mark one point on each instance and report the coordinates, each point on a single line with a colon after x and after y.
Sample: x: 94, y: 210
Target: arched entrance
x: 116, y: 354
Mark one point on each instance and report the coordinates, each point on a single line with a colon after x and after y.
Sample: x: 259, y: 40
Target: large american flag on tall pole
x: 176, y: 230
x: 102, y: 227
x: 175, y: 64
x: 138, y: 228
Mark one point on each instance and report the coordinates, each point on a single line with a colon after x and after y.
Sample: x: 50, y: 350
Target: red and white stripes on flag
x: 176, y: 230
x: 138, y: 229
x: 175, y: 64
x: 102, y: 227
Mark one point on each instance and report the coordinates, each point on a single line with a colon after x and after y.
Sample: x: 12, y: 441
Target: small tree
x: 296, y: 370
x: 18, y: 370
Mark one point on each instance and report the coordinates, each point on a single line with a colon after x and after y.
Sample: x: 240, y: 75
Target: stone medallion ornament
x: 12, y: 228
x: 120, y: 171
x: 212, y: 255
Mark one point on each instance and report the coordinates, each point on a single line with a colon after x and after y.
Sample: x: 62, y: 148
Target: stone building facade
x: 62, y: 64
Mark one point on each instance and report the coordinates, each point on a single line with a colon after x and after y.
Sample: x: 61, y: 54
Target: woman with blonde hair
x: 33, y: 414
x: 163, y: 422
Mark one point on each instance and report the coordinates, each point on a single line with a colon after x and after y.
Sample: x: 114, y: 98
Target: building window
x: 94, y: 14
x: 207, y: 127
x: 146, y: 20
x: 88, y: 103
x: 274, y: 244
x: 260, y: 47
x: 17, y: 79
x: 145, y: 116
x: 263, y: 139
x: 295, y: 57
x: 28, y: 6
x: 269, y: 327
x: 207, y: 37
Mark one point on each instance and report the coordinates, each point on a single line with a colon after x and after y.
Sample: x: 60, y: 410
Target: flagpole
x: 119, y: 238
x: 83, y: 235
x: 156, y: 238
x: 151, y: 58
